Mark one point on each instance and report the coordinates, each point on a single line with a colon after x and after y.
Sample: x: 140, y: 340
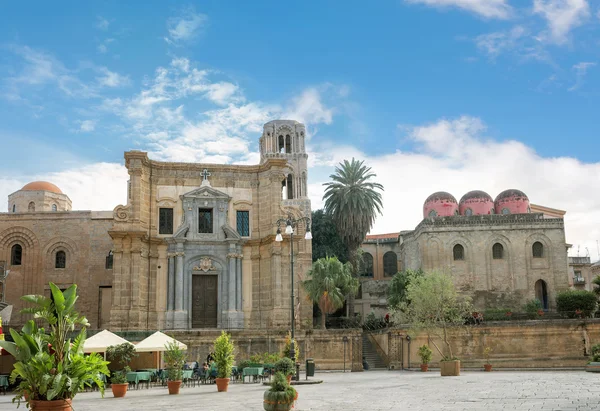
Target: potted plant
x: 287, y: 367
x: 120, y: 354
x: 433, y: 306
x: 281, y: 395
x: 51, y: 367
x: 594, y: 364
x: 287, y: 349
x: 486, y: 353
x: 174, y: 361
x: 224, y: 359
x: 425, y: 354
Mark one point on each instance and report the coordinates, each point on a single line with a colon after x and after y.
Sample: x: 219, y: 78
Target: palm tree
x: 353, y: 203
x: 329, y: 283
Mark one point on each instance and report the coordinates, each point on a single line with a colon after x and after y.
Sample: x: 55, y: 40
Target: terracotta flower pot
x: 424, y: 367
x: 450, y: 368
x: 487, y: 367
x: 173, y: 387
x: 119, y: 390
x: 58, y: 405
x: 222, y: 384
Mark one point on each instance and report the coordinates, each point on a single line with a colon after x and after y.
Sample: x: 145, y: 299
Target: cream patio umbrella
x: 156, y: 342
x: 101, y: 341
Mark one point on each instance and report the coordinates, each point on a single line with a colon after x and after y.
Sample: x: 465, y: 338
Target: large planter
x: 222, y: 384
x: 57, y: 405
x: 592, y: 367
x: 450, y: 368
x: 173, y: 387
x: 487, y: 367
x: 271, y: 403
x: 424, y: 367
x: 119, y: 390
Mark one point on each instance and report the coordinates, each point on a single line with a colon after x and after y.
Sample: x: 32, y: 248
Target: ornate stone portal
x: 205, y: 265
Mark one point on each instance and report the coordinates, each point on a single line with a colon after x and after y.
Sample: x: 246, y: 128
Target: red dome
x: 512, y: 202
x: 42, y: 186
x: 476, y: 203
x: 440, y: 204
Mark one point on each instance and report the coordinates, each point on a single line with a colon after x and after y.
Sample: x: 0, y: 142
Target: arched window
x: 505, y: 211
x: 497, y: 251
x: 288, y: 144
x: 538, y: 250
x: 16, y: 254
x: 14, y: 208
x: 290, y: 187
x: 458, y: 252
x: 367, y: 266
x: 54, y: 208
x: 390, y: 264
x: 61, y: 259
x: 31, y: 207
x: 281, y: 146
x: 468, y: 212
x: 432, y: 213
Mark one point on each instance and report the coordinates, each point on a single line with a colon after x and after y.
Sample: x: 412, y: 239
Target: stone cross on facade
x: 205, y: 174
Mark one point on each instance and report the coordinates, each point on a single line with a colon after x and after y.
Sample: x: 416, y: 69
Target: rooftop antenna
x: 578, y: 250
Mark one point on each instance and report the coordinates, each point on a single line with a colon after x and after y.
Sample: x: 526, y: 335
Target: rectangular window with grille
x: 165, y: 221
x: 243, y: 223
x: 205, y: 220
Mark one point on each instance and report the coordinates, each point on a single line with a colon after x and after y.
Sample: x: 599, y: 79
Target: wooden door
x: 204, y: 301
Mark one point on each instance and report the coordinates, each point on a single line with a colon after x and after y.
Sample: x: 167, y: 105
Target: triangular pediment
x: 206, y: 192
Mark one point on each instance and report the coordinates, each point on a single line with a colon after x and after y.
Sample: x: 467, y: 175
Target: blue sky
x: 449, y: 94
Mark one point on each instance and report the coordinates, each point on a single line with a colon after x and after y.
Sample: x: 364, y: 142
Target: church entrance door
x: 204, y: 301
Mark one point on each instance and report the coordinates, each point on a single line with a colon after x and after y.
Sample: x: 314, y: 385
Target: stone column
x: 238, y: 288
x: 231, y: 282
x: 179, y: 282
x: 171, y: 283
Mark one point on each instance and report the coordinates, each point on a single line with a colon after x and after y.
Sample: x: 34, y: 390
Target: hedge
x: 576, y: 303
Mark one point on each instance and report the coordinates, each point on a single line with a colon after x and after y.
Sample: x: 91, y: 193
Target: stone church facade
x: 193, y: 248
x: 501, y: 252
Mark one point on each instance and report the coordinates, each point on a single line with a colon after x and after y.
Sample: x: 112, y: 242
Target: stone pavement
x: 377, y: 390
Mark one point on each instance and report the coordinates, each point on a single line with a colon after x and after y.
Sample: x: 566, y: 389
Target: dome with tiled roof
x: 476, y: 202
x: 440, y: 204
x: 512, y: 202
x: 42, y: 186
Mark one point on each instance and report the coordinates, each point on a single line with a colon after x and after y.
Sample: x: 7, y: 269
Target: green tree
x: 398, y: 285
x: 596, y: 282
x: 329, y: 283
x: 326, y: 241
x: 353, y: 202
x: 434, y: 307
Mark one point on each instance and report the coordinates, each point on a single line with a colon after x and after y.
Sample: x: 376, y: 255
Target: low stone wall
x: 515, y: 344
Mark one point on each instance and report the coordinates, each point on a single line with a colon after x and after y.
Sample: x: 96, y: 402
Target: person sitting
x: 210, y: 357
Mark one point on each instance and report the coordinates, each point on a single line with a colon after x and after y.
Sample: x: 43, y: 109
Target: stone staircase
x: 371, y: 355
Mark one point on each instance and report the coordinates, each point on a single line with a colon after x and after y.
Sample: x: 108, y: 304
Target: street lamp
x: 292, y: 223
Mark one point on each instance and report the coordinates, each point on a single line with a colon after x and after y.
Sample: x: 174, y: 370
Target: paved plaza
x: 377, y: 390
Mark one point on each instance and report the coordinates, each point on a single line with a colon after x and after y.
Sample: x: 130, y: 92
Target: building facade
x: 499, y: 252
x: 194, y: 246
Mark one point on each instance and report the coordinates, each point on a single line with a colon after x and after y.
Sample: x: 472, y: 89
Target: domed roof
x: 476, y: 194
x: 441, y: 195
x: 42, y: 186
x: 512, y: 193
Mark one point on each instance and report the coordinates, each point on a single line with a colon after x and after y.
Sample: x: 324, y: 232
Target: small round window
x: 468, y: 212
x: 505, y: 211
x: 433, y: 213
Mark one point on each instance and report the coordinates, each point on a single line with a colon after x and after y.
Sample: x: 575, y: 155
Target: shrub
x: 497, y: 314
x: 425, y: 354
x: 120, y: 354
x: 281, y: 395
x: 595, y: 357
x: 575, y: 303
x: 532, y: 307
x: 372, y: 322
x: 288, y: 347
x: 174, y: 360
x: 286, y: 366
x: 224, y: 355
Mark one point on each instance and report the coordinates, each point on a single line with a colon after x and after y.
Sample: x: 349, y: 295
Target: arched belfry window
x: 367, y: 268
x: 458, y: 252
x: 390, y: 264
x: 538, y: 250
x: 290, y: 187
x: 497, y: 251
x: 288, y: 144
x: 60, y: 260
x: 281, y: 146
x: 16, y: 254
x: 31, y: 207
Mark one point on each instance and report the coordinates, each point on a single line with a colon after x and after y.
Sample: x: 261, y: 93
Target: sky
x: 434, y: 95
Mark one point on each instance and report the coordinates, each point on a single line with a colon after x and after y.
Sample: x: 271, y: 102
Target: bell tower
x: 285, y: 139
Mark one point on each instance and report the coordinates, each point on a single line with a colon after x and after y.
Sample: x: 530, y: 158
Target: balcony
x: 579, y: 260
x: 578, y: 280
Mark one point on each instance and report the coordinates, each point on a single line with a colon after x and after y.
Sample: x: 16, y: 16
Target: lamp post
x: 291, y: 224
x: 3, y: 275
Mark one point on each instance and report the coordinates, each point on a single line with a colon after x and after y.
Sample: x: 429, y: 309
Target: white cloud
x: 87, y: 125
x: 486, y: 8
x: 309, y: 108
x: 111, y: 79
x: 186, y: 27
x: 581, y: 70
x: 102, y: 23
x: 496, y: 43
x: 562, y: 16
x: 456, y: 156
x: 103, y: 47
